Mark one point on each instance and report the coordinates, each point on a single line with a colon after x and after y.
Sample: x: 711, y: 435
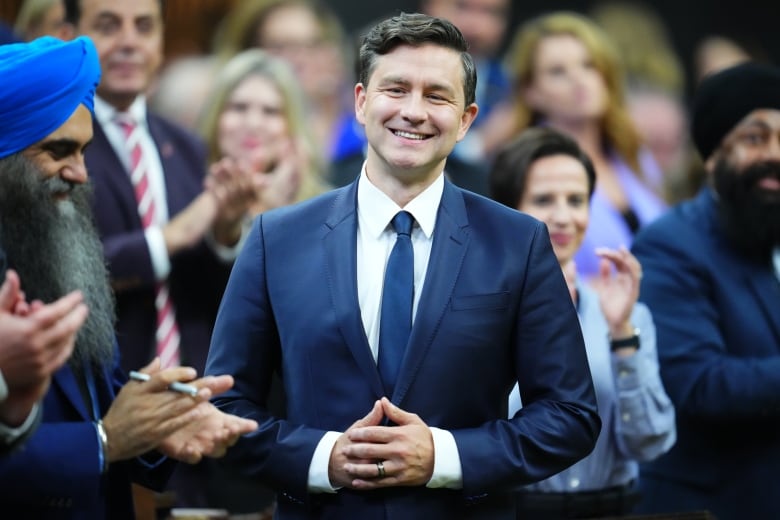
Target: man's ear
x: 712, y: 160
x: 468, y: 117
x: 360, y: 101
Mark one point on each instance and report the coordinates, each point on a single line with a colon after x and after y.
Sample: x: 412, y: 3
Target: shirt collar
x: 424, y: 207
x: 105, y: 113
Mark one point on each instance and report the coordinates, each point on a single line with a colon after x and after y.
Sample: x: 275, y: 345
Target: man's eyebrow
x: 390, y: 80
x: 63, y: 144
x: 398, y: 80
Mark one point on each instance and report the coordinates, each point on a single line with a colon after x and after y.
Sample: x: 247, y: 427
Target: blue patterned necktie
x: 397, y: 299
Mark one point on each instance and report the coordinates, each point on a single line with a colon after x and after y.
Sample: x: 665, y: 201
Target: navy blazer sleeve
x: 60, y: 465
x: 552, y: 370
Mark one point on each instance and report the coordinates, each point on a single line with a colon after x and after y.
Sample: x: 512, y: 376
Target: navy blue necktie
x: 397, y: 299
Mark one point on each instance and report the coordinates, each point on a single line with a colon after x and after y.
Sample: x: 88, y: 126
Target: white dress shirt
x: 776, y: 260
x: 375, y: 240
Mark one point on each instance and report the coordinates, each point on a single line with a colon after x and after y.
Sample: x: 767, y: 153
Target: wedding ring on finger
x: 380, y: 467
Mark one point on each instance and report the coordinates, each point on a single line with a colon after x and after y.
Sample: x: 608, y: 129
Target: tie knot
x: 402, y: 223
x: 125, y: 122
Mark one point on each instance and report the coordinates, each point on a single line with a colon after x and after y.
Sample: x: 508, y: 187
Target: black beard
x: 54, y: 247
x: 750, y: 215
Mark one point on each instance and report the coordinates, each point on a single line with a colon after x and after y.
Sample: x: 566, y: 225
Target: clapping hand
x: 231, y: 184
x: 209, y: 435
x: 278, y: 176
x: 36, y: 339
x: 147, y: 415
x: 618, y: 288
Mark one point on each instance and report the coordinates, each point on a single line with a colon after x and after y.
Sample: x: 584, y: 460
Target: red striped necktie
x: 167, y: 334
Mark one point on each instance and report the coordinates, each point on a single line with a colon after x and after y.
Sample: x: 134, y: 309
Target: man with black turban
x: 712, y: 282
x: 97, y: 433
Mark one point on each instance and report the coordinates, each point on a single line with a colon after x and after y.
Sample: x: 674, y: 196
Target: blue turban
x: 41, y: 84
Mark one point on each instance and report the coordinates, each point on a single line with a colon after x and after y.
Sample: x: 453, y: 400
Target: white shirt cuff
x: 9, y: 435
x: 3, y: 388
x: 319, y: 481
x: 447, y: 472
x: 155, y: 241
x: 229, y: 253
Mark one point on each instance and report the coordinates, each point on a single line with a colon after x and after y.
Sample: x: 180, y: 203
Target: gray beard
x: 54, y: 247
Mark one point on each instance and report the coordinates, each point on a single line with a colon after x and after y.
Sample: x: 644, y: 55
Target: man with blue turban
x: 33, y: 345
x: 97, y: 432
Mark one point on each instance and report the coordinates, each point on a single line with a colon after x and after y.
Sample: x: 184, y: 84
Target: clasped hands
x: 369, y: 456
x: 146, y: 416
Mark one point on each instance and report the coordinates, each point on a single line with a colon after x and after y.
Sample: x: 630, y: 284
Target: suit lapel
x: 766, y: 287
x: 177, y: 197
x: 340, y: 251
x: 65, y: 379
x: 112, y: 173
x: 759, y: 278
x: 450, y: 242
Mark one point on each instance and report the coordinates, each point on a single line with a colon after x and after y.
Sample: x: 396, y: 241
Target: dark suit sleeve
x: 558, y: 424
x: 7, y: 447
x: 61, y: 459
x: 713, y: 365
x: 246, y: 345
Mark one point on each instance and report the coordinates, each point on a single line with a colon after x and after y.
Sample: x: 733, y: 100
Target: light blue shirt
x: 637, y: 416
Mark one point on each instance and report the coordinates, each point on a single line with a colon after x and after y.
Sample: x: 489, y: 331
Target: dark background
x: 755, y: 24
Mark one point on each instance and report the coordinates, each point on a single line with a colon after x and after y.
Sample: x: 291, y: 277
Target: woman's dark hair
x: 509, y: 174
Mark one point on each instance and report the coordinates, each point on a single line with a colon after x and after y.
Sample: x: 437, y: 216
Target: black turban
x: 724, y: 98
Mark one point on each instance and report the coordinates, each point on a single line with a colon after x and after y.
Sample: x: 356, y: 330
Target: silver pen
x: 176, y: 386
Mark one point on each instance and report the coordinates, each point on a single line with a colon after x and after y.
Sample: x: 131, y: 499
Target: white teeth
x: 409, y: 135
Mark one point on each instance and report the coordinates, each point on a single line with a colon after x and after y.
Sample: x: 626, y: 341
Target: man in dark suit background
x: 712, y: 280
x: 191, y: 240
x: 416, y: 428
x: 169, y: 265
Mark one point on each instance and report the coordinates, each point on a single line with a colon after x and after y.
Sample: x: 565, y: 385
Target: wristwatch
x: 631, y: 341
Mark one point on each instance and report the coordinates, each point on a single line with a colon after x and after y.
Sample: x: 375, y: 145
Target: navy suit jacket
x: 494, y: 310
x: 57, y: 473
x: 717, y: 316
x: 197, y: 278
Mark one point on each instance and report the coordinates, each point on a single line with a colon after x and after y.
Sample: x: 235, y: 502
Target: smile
x: 410, y: 135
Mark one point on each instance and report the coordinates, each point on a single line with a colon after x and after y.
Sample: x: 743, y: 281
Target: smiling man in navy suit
x: 428, y: 437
